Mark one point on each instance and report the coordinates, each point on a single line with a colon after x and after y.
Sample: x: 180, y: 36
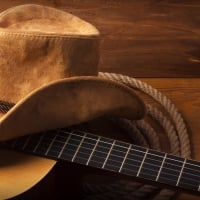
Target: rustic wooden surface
x: 154, y: 39
x: 185, y: 94
x: 145, y: 38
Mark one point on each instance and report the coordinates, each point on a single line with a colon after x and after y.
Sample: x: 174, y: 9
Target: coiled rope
x: 142, y: 133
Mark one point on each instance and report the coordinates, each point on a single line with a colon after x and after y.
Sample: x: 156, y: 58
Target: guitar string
x: 72, y: 133
x: 132, y: 154
x: 127, y: 158
x: 132, y: 171
x: 124, y: 171
x: 116, y: 161
x: 57, y: 140
x: 178, y: 161
x: 123, y: 152
x: 135, y: 146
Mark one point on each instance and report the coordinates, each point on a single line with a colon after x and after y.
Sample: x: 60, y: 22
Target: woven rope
x: 150, y: 133
x: 163, y: 100
x: 168, y: 127
x: 143, y: 134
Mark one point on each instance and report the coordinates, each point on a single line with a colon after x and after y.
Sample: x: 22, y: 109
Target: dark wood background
x: 147, y: 38
x: 156, y: 40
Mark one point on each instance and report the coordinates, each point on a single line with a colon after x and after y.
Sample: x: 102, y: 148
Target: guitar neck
x: 113, y: 155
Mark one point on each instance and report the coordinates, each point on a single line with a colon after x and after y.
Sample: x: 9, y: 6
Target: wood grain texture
x: 148, y: 38
x: 185, y: 94
x: 159, y: 38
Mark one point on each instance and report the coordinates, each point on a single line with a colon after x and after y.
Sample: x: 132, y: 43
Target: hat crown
x: 43, y: 19
x: 39, y: 44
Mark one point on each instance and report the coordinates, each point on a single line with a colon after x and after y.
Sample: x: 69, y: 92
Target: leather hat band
x: 5, y: 106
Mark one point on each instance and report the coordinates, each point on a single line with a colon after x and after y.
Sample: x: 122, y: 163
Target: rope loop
x: 143, y: 133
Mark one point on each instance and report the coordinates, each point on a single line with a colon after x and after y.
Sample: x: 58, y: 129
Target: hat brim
x: 68, y: 102
x: 62, y: 103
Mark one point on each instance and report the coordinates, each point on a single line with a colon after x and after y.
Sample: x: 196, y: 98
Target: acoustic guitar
x: 113, y: 155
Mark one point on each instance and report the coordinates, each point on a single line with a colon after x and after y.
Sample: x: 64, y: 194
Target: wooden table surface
x: 185, y: 94
x: 156, y: 41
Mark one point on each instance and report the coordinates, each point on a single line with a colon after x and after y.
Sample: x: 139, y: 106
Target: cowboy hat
x: 48, y: 71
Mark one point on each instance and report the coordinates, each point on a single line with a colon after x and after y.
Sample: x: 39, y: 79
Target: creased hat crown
x: 39, y: 44
x: 38, y: 47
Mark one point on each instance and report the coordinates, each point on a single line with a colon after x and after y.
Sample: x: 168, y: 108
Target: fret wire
x: 124, y: 168
x: 198, y: 188
x: 136, y: 165
x: 136, y: 150
x: 179, y: 177
x: 161, y: 167
x: 143, y: 167
x: 190, y: 184
x: 65, y: 144
x: 152, y: 170
x: 142, y: 151
x: 107, y: 148
x: 116, y: 156
x: 40, y: 140
x: 185, y: 181
x: 114, y: 150
x: 108, y: 153
x: 79, y: 147
x: 26, y: 142
x: 125, y: 158
x: 130, y: 154
x: 113, y: 160
x: 93, y: 150
x: 116, y: 145
x: 50, y: 145
x: 108, y: 142
x: 148, y: 163
x: 142, y: 162
x: 132, y: 171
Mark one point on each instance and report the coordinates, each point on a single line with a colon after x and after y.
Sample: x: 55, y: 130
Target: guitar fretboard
x: 113, y: 155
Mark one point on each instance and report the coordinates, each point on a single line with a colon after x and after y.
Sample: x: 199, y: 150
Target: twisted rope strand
x: 177, y: 132
x: 144, y: 134
x: 168, y: 127
x: 163, y: 100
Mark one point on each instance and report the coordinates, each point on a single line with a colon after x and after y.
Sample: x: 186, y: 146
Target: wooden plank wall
x: 148, y: 38
x: 156, y: 40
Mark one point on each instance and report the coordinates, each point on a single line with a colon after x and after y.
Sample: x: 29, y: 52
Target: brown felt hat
x: 48, y: 71
x: 40, y: 48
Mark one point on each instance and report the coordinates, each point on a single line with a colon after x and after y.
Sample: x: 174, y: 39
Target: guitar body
x: 61, y: 180
x: 58, y: 180
x: 19, y: 172
x: 42, y: 178
x: 141, y: 39
x: 56, y: 184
